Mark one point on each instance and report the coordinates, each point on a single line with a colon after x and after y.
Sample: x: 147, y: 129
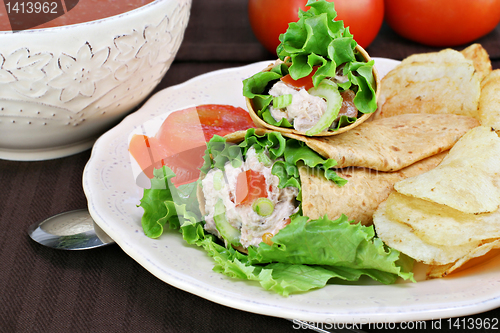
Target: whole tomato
x: 270, y: 18
x: 442, y: 23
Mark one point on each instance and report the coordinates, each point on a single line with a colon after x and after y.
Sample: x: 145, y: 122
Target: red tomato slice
x: 181, y: 141
x: 305, y: 82
x: 192, y: 127
x: 186, y: 165
x: 150, y: 154
x: 250, y: 185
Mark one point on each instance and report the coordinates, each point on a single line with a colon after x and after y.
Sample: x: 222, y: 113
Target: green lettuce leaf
x: 268, y: 118
x: 317, y: 39
x: 294, y: 153
x: 336, y: 243
x: 254, y: 86
x: 164, y: 203
x: 287, y: 276
x: 365, y: 97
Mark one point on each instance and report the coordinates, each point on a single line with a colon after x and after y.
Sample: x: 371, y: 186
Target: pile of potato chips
x: 450, y: 214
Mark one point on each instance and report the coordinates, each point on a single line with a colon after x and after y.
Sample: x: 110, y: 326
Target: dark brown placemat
x: 104, y: 290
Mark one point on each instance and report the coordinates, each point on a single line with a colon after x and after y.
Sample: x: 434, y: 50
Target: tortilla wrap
x: 360, y: 197
x: 262, y: 124
x: 391, y: 144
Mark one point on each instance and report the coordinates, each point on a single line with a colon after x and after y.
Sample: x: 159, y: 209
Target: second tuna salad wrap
x: 323, y: 82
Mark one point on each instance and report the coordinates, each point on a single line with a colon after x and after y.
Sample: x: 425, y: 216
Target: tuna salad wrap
x: 250, y: 191
x: 246, y: 212
x: 323, y: 82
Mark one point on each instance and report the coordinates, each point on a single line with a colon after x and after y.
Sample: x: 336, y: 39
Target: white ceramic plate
x: 113, y: 193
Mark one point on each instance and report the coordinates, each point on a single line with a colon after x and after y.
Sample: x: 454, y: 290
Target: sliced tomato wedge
x: 186, y: 165
x: 150, y: 154
x: 192, y: 127
x: 305, y: 82
x: 181, y: 140
x: 250, y: 185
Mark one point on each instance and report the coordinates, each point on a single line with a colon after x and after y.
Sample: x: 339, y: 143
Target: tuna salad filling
x: 306, y: 110
x: 250, y: 198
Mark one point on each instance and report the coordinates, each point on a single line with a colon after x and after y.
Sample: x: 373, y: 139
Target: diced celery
x: 280, y: 102
x: 229, y: 233
x: 218, y: 180
x: 264, y: 159
x: 329, y: 91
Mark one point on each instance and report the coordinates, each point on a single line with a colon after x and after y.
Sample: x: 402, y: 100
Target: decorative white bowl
x: 62, y: 87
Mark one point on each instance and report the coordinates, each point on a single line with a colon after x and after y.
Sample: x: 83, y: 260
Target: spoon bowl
x: 73, y: 230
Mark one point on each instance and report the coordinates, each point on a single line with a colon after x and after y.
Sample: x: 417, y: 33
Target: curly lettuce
x: 293, y: 153
x: 164, y: 204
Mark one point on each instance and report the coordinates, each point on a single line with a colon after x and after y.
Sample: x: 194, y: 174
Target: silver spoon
x: 73, y: 230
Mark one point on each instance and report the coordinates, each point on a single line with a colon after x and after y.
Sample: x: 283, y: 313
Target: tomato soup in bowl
x: 65, y: 82
x: 50, y: 13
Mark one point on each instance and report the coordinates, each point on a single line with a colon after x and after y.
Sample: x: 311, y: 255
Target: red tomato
x: 150, y: 154
x: 363, y: 17
x: 186, y: 165
x: 442, y: 23
x: 192, y: 127
x: 270, y: 18
x: 250, y: 185
x: 305, y: 82
x: 181, y: 141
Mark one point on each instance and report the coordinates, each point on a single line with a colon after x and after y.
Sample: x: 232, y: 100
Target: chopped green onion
x: 264, y: 159
x: 280, y: 102
x: 218, y: 180
x: 263, y: 207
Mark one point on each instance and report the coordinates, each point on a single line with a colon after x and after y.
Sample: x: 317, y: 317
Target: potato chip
x: 489, y: 102
x: 442, y: 57
x: 431, y: 83
x: 449, y: 215
x: 401, y: 237
x: 440, y: 225
x: 438, y: 271
x: 468, y: 179
x: 480, y: 59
